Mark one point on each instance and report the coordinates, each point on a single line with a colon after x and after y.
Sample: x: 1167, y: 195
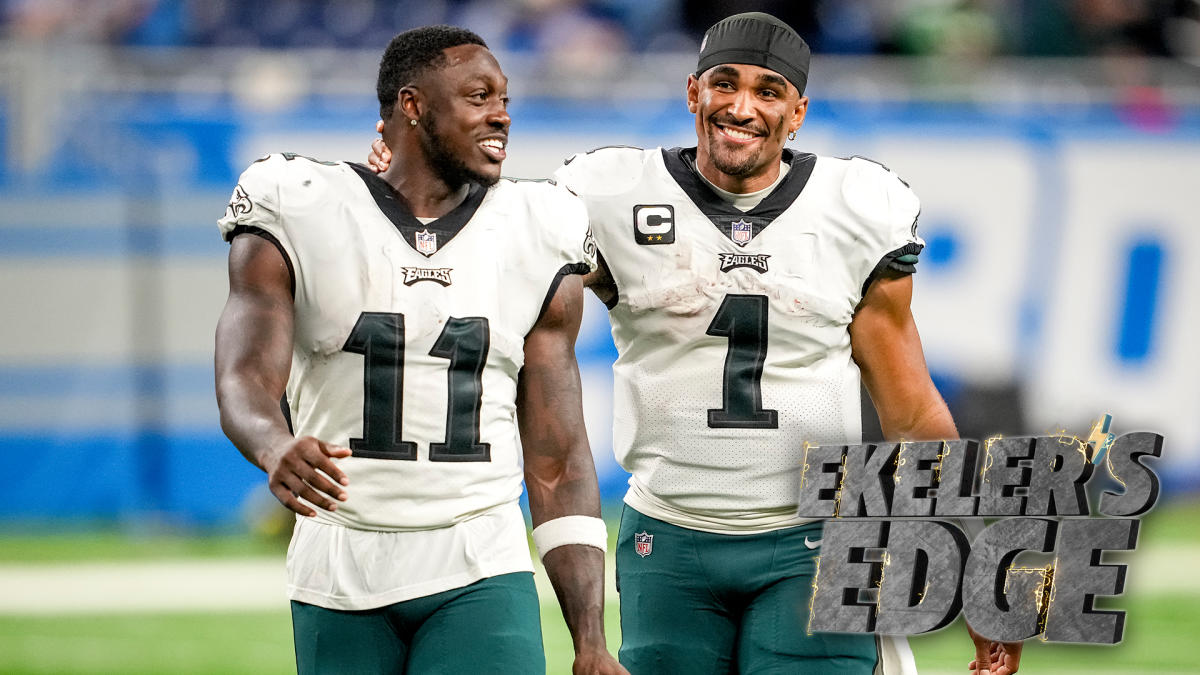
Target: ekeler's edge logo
x: 1034, y: 485
x: 755, y: 261
x: 439, y: 275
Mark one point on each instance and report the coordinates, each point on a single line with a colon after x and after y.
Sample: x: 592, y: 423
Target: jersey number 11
x: 379, y: 337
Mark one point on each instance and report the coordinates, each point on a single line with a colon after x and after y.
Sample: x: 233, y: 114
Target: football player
x: 418, y: 320
x: 750, y: 289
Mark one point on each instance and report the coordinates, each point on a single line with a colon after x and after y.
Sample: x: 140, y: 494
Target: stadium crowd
x: 974, y: 28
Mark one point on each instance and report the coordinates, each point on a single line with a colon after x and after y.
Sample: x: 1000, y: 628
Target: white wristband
x: 586, y: 530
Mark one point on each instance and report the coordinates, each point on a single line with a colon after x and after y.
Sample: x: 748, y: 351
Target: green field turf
x: 1158, y: 640
x: 1160, y: 627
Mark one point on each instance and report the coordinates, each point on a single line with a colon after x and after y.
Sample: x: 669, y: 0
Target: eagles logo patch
x: 589, y: 247
x: 440, y: 275
x: 755, y: 261
x: 239, y: 203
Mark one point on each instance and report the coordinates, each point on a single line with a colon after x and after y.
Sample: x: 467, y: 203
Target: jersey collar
x: 681, y: 164
x: 397, y: 212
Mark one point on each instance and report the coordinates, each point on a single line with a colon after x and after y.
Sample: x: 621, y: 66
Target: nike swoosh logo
x: 811, y: 543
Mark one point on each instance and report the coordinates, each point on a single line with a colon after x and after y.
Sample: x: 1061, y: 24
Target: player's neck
x: 736, y: 184
x: 744, y: 201
x: 425, y: 194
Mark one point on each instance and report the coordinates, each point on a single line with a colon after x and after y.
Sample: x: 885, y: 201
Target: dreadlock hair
x: 413, y: 52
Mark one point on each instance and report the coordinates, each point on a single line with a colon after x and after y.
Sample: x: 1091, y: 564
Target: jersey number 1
x: 743, y: 320
x: 379, y: 337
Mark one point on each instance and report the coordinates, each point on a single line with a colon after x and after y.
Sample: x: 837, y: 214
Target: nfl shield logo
x: 740, y: 232
x: 643, y: 543
x: 426, y: 242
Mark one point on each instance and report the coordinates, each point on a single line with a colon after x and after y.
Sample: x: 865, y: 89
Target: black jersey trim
x: 286, y: 409
x: 259, y: 232
x: 616, y: 295
x: 681, y: 164
x: 880, y: 164
x: 392, y: 206
x: 563, y: 272
x: 890, y: 262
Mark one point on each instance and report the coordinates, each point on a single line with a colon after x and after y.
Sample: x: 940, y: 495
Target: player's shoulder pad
x: 263, y: 171
x: 607, y: 170
x: 552, y: 216
x: 545, y: 199
x: 283, y: 168
x: 876, y: 194
x: 538, y: 190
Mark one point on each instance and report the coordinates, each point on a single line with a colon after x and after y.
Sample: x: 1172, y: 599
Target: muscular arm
x: 559, y: 473
x: 253, y: 357
x: 887, y: 349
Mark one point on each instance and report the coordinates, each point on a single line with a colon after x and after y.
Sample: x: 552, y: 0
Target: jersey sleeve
x: 601, y: 178
x: 574, y: 243
x: 254, y: 208
x: 568, y: 247
x: 609, y: 170
x: 888, y: 210
x: 568, y: 176
x: 255, y: 200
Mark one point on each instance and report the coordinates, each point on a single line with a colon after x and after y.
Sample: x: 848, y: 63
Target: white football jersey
x: 409, y: 337
x: 731, y: 326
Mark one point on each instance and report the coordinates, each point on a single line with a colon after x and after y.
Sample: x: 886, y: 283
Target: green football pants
x: 491, y: 626
x: 697, y: 603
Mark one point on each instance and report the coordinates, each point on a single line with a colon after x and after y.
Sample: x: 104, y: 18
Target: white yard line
x: 259, y: 583
x: 144, y: 586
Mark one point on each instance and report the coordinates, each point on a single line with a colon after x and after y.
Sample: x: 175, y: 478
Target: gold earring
x: 791, y: 135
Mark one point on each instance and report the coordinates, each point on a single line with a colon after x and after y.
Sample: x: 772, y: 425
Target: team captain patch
x: 440, y: 275
x: 755, y: 261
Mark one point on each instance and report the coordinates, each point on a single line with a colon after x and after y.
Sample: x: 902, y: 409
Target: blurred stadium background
x: 1055, y: 145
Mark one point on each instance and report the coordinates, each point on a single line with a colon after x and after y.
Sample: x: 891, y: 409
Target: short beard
x: 737, y: 169
x: 446, y: 166
x: 729, y: 167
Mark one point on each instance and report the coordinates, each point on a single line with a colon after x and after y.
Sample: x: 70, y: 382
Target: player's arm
x: 887, y: 349
x: 253, y: 357
x: 564, y: 498
x: 601, y: 282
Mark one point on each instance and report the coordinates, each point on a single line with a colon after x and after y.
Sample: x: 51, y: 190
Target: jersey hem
x: 356, y: 603
x: 710, y: 524
x: 890, y: 262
